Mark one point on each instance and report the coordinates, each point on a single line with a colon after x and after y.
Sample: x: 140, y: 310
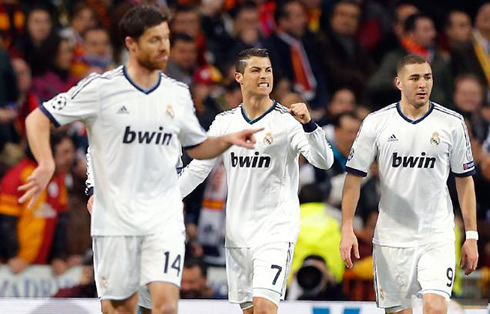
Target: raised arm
x: 215, y: 146
x: 467, y: 201
x: 310, y: 140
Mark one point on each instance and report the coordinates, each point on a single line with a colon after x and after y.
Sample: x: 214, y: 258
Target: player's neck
x: 413, y: 112
x: 140, y: 75
x: 255, y: 106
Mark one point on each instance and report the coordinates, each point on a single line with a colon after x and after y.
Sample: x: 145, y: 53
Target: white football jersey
x: 262, y: 204
x: 414, y: 160
x: 135, y: 137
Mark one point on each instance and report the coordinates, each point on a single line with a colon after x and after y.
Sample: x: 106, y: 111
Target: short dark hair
x: 281, y: 10
x: 409, y: 59
x: 245, y: 6
x: 411, y: 21
x: 246, y: 54
x: 137, y: 20
x: 175, y: 37
x: 196, y: 262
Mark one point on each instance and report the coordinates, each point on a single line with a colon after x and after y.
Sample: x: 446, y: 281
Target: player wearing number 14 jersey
x: 262, y: 218
x: 416, y: 143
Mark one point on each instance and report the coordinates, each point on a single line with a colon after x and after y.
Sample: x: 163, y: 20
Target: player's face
x: 257, y: 77
x: 153, y: 47
x: 415, y: 82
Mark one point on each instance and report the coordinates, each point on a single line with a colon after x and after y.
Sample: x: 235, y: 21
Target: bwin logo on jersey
x: 250, y: 161
x: 146, y: 137
x: 413, y: 161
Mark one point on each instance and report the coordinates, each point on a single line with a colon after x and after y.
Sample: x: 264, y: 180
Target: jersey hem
x: 49, y: 115
x: 355, y: 171
x: 465, y: 174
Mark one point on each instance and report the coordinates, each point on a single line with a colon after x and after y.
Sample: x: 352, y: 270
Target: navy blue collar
x: 259, y: 117
x: 146, y: 91
x: 398, y: 108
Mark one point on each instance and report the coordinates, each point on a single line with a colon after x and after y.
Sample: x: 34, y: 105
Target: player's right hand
x: 347, y: 244
x: 90, y: 204
x: 36, y: 183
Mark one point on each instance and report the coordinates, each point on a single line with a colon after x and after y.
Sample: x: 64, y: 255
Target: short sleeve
x: 80, y: 103
x: 191, y: 133
x: 461, y: 157
x: 364, y: 149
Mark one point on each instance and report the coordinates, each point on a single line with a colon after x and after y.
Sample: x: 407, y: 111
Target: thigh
x: 272, y: 263
x: 162, y: 257
x: 239, y: 273
x: 394, y: 277
x: 437, y: 267
x: 116, y: 266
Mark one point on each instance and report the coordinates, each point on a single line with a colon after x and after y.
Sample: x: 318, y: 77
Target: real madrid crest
x: 170, y: 111
x: 435, y: 139
x: 268, y: 138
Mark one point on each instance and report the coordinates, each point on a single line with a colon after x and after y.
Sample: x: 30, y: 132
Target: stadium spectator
x: 57, y: 77
x: 345, y: 61
x: 343, y: 100
x: 37, y: 235
x: 32, y: 45
x: 295, y: 55
x: 206, y: 90
x: 96, y: 55
x: 86, y: 287
x: 473, y: 56
x: 195, y: 281
x: 82, y: 18
x: 183, y: 58
x: 27, y: 100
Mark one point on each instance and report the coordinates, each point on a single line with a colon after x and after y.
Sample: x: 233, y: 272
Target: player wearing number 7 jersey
x: 416, y: 143
x: 262, y: 210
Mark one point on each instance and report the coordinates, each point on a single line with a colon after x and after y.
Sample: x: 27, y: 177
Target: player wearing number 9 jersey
x: 416, y: 144
x: 262, y: 210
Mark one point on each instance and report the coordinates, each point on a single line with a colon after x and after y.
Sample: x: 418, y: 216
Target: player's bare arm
x: 38, y: 130
x: 467, y: 201
x: 215, y: 146
x: 300, y: 112
x: 350, y: 197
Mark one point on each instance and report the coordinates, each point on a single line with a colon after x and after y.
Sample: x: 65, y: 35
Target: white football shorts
x: 400, y: 273
x: 261, y: 271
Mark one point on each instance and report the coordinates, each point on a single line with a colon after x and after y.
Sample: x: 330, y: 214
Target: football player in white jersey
x: 416, y: 143
x: 262, y: 218
x: 137, y: 120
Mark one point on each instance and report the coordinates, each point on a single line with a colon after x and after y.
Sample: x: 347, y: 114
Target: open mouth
x: 264, y: 84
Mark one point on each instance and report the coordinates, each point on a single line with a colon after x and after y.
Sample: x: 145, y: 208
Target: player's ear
x: 398, y: 83
x: 129, y: 42
x: 239, y: 77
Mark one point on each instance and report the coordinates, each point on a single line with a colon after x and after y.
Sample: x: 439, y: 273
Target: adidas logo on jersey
x: 250, y: 161
x: 413, y: 161
x: 147, y: 137
x: 123, y: 110
x: 392, y: 138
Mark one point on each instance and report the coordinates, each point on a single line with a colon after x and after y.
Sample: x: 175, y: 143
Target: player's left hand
x: 469, y: 256
x: 300, y: 112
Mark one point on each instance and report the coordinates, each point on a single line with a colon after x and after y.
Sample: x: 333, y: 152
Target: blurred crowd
x: 338, y: 56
